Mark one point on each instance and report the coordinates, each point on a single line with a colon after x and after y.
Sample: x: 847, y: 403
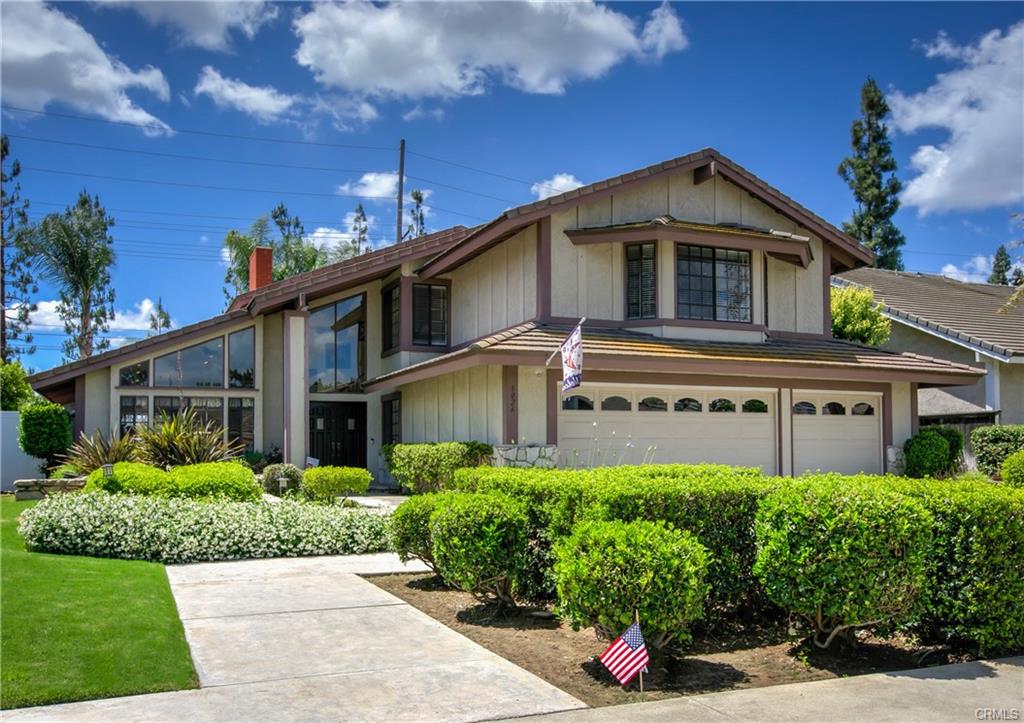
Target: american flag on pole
x: 627, y: 656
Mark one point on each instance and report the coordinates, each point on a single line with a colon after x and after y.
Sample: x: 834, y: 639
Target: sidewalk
x: 986, y: 690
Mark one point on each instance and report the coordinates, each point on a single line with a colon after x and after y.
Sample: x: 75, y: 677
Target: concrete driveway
x: 308, y: 639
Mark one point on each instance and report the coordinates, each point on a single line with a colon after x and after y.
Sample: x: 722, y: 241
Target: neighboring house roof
x: 969, y: 314
x: 708, y: 162
x: 531, y: 343
x: 935, y: 402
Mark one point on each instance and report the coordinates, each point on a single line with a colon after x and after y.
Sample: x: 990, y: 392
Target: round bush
x: 229, y: 480
x: 994, y: 443
x: 134, y: 478
x: 1012, y: 470
x: 410, y: 529
x: 955, y: 439
x: 927, y: 454
x: 327, y: 484
x: 843, y: 554
x: 45, y: 431
x: 280, y: 478
x: 607, y: 572
x: 479, y: 544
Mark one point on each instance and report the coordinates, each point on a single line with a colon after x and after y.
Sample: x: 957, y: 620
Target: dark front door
x: 337, y: 433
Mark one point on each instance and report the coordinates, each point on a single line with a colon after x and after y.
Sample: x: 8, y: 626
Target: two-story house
x: 706, y: 294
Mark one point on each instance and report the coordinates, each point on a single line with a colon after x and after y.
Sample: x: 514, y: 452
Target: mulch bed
x: 743, y: 657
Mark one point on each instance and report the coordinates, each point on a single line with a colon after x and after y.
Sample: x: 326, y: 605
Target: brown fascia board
x: 848, y: 252
x: 50, y: 377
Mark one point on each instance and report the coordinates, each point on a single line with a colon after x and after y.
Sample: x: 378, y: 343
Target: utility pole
x: 401, y: 184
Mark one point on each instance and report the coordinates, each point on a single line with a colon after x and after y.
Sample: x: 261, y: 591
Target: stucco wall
x: 902, y: 421
x: 463, y: 405
x: 1011, y: 393
x: 97, y: 401
x: 497, y: 289
x: 905, y: 338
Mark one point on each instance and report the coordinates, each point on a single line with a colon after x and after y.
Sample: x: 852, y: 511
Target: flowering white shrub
x: 180, y: 530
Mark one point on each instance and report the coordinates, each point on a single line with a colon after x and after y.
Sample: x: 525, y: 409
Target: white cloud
x: 417, y: 50
x: 558, y: 183
x: 975, y: 271
x: 327, y: 237
x: 978, y: 105
x: 134, y: 319
x: 206, y: 25
x: 345, y: 113
x: 380, y: 185
x: 262, y: 102
x: 417, y: 112
x: 48, y: 57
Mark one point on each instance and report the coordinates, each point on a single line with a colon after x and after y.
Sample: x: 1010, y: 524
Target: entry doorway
x: 337, y: 433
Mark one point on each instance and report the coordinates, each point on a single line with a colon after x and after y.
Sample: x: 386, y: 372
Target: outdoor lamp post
x: 108, y: 470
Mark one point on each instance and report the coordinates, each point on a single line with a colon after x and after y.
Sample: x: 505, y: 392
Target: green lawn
x: 74, y: 628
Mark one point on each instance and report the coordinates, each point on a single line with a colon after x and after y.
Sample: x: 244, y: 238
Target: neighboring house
x: 963, y: 322
x: 706, y: 293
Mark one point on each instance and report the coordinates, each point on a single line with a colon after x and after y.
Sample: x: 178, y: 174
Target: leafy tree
x: 856, y: 316
x: 417, y: 216
x: 159, y: 319
x: 1017, y: 277
x: 74, y: 251
x: 1001, y: 265
x: 1017, y: 220
x: 870, y: 173
x: 16, y: 283
x: 15, y: 391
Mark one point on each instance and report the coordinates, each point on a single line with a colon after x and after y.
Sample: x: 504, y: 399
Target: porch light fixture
x: 108, y: 470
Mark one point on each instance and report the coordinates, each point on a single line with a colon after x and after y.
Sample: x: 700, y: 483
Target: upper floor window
x: 337, y: 346
x: 429, y: 315
x: 641, y: 281
x: 390, y: 317
x: 134, y: 375
x: 242, y: 359
x: 200, y: 365
x: 712, y: 284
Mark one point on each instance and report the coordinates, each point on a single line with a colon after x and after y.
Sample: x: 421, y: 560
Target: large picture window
x: 207, y: 409
x: 134, y: 412
x: 712, y: 284
x: 429, y: 315
x: 337, y: 346
x: 134, y: 375
x: 390, y: 317
x: 200, y: 365
x: 242, y: 359
x: 242, y: 421
x: 641, y: 281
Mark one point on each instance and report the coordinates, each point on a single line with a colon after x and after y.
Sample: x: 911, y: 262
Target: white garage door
x: 607, y: 425
x: 837, y: 432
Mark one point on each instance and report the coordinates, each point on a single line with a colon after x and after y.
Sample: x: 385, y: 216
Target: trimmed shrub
x: 183, y: 439
x: 607, y: 573
x: 927, y: 454
x: 955, y: 439
x: 180, y: 530
x: 410, y: 529
x: 281, y: 478
x: 90, y: 453
x: 230, y: 480
x: 1012, y: 470
x: 132, y: 478
x: 841, y: 555
x: 992, y: 445
x: 44, y: 431
x: 430, y: 467
x: 327, y: 484
x: 479, y: 544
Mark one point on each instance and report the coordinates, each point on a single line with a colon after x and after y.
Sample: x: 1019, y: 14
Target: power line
x: 193, y: 131
x: 485, y: 172
x: 247, y: 219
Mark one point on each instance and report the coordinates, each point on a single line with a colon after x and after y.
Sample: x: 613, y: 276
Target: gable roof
x: 707, y: 162
x: 965, y: 313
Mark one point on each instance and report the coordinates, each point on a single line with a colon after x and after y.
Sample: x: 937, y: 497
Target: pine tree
x: 1001, y: 265
x: 870, y: 173
x: 1017, y: 277
x: 360, y: 229
x: 159, y: 319
x: 417, y: 216
x: 16, y: 282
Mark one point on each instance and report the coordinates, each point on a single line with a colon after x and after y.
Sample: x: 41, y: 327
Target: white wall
x: 14, y: 464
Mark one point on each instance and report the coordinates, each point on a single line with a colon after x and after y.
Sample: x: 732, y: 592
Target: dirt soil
x: 744, y: 657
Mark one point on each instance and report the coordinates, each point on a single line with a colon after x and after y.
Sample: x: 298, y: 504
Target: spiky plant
x: 183, y: 439
x: 90, y: 453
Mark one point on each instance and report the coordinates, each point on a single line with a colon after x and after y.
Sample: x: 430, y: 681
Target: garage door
x: 837, y: 432
x: 606, y: 425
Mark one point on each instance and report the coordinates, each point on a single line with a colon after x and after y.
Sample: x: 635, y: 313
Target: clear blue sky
x: 524, y: 92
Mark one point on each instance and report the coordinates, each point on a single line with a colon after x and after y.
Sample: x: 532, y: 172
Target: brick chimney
x: 261, y: 267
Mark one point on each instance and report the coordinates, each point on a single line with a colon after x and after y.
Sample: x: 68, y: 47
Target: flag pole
x: 559, y: 348
x: 636, y: 611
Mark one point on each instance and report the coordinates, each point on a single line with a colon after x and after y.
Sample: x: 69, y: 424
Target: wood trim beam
x: 543, y: 282
x: 554, y: 400
x: 509, y: 404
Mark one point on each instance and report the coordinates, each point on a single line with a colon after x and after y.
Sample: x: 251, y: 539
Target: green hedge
x: 327, y: 484
x: 992, y: 445
x: 609, y: 572
x: 410, y: 529
x: 927, y: 454
x: 429, y: 467
x: 227, y: 480
x: 134, y: 478
x: 44, y: 431
x: 1012, y: 470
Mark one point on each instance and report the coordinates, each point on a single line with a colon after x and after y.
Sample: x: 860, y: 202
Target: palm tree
x: 74, y: 251
x: 159, y: 319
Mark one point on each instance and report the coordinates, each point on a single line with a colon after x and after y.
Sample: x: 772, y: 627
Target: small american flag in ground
x: 627, y: 656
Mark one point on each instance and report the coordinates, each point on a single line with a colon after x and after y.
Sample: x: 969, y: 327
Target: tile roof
x: 937, y: 402
x: 964, y: 311
x: 542, y: 339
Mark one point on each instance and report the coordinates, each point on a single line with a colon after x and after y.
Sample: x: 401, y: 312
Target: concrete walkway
x: 965, y: 692
x: 307, y: 639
